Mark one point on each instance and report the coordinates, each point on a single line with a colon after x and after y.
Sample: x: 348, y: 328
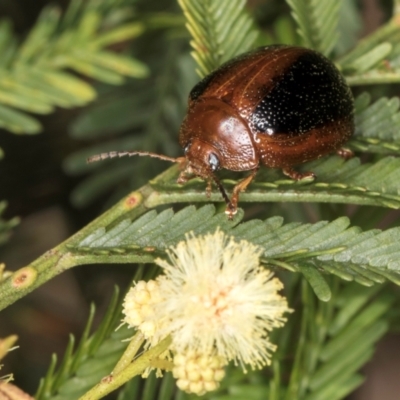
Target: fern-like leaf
x: 317, y: 21
x: 220, y: 29
x: 33, y: 75
x: 329, y: 247
x: 337, y: 339
x: 94, y: 358
x: 376, y: 58
x: 377, y: 125
x: 156, y: 230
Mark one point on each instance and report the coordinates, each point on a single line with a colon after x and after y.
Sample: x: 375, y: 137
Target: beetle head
x: 202, y: 160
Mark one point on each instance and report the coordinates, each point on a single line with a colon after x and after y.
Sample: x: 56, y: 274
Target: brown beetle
x: 277, y: 106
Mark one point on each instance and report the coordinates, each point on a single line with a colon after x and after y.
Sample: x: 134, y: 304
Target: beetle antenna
x: 221, y: 189
x: 119, y: 154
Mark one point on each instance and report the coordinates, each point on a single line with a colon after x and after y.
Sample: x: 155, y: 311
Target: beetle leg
x: 209, y: 188
x: 184, y: 177
x: 231, y: 208
x: 296, y: 175
x: 345, y: 153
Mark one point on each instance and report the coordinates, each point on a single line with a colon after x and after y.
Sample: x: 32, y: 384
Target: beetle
x: 278, y: 106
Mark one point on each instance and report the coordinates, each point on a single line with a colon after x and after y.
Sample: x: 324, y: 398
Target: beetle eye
x: 187, y: 147
x: 213, y: 161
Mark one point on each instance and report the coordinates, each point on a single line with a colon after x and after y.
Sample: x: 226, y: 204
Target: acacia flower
x: 214, y: 299
x: 217, y: 299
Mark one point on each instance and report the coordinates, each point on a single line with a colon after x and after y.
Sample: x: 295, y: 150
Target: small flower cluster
x: 217, y: 303
x: 139, y: 307
x: 198, y: 373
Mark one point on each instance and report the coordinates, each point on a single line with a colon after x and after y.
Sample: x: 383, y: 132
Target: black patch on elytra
x: 309, y: 94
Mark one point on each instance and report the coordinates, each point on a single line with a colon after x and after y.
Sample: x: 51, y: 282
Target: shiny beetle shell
x: 278, y: 106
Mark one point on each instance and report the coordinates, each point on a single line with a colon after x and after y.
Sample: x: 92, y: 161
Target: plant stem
x: 373, y: 78
x: 296, y: 373
x: 113, y: 382
x: 60, y: 258
x: 129, y: 353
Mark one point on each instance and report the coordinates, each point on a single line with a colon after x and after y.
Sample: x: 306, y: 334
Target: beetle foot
x: 298, y: 176
x: 181, y: 179
x: 231, y: 209
x: 345, y: 153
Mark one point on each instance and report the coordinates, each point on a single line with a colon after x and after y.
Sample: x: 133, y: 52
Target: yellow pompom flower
x: 216, y: 302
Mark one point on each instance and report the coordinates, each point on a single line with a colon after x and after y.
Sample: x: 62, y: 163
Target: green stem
x: 311, y: 254
x: 296, y: 374
x: 158, y: 198
x: 373, y: 78
x: 279, y: 263
x: 275, y: 383
x: 129, y: 353
x: 60, y: 258
x: 113, y: 382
